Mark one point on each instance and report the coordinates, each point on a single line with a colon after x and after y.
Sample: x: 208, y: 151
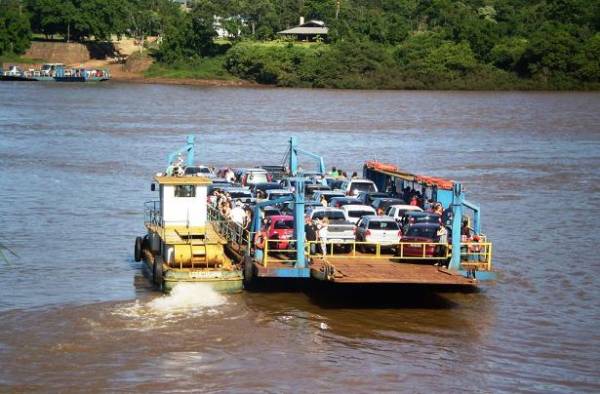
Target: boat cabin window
x: 185, y: 191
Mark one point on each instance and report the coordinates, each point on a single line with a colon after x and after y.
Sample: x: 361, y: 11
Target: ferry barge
x: 261, y: 254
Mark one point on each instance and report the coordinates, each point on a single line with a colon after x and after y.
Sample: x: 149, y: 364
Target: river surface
x: 77, y: 315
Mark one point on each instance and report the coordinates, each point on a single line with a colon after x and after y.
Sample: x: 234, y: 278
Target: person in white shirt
x: 237, y: 214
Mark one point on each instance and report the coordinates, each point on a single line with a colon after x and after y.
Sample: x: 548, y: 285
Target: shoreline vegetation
x: 384, y: 44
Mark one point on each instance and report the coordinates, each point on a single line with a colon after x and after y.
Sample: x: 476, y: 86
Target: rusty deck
x: 371, y: 271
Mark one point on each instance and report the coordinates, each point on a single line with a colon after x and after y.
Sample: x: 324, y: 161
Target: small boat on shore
x: 55, y: 72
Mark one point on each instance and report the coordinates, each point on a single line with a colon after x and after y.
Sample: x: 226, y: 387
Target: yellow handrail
x: 475, y: 252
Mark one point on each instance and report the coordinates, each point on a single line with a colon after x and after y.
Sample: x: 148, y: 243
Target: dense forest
x: 468, y: 44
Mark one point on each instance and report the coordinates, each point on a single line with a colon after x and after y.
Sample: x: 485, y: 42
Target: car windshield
x: 424, y: 232
x: 196, y: 170
x: 362, y: 186
x: 328, y: 197
x: 274, y: 196
x: 257, y: 177
x: 383, y: 225
x: 359, y: 214
x: 284, y: 224
x: 235, y: 195
x: 425, y: 218
x: 266, y: 186
x: 331, y: 215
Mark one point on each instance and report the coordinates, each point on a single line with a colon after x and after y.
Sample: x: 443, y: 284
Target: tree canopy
x: 425, y: 40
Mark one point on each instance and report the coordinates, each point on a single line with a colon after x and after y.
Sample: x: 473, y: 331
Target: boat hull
x: 15, y: 78
x: 221, y: 281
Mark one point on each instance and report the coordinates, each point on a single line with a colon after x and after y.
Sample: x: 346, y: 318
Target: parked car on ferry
x: 274, y: 194
x: 384, y: 202
x: 334, y: 183
x: 354, y: 186
x: 398, y: 211
x: 264, y: 186
x: 310, y: 189
x: 415, y: 235
x: 381, y: 230
x: 354, y: 213
x: 270, y: 211
x: 368, y: 197
x: 414, y: 217
x: 280, y: 227
x: 252, y: 176
x: 328, y: 194
x: 199, y: 171
x: 338, y: 202
x: 340, y: 230
x: 239, y: 193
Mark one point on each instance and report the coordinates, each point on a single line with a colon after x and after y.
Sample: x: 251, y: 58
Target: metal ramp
x: 367, y: 270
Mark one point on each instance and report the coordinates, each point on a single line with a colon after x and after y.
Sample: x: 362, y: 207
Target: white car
x: 354, y: 186
x: 353, y: 213
x: 398, y: 211
x: 339, y: 230
x: 381, y: 230
x: 252, y: 176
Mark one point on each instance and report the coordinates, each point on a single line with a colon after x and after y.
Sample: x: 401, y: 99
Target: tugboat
x: 181, y: 244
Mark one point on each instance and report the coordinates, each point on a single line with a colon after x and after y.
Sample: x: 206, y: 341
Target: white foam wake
x: 186, y: 300
x: 187, y: 296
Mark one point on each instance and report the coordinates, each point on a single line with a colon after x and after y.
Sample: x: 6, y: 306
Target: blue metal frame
x: 457, y: 203
x: 189, y: 148
x: 293, y: 156
x: 299, y: 270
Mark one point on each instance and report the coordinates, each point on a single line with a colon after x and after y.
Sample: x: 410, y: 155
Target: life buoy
x: 259, y: 239
x: 474, y: 246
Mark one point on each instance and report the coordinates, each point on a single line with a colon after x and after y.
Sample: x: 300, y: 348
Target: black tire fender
x: 137, y: 251
x: 248, y: 272
x: 157, y: 271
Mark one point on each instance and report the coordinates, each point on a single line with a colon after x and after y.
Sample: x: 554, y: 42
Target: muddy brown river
x: 77, y: 315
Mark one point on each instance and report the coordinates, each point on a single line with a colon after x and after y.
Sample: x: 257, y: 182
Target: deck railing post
x: 299, y: 233
x: 457, y: 203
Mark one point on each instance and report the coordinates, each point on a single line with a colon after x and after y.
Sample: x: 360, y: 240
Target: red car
x: 280, y: 227
x: 417, y: 233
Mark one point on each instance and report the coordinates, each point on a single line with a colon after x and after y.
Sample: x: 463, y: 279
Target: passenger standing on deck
x: 442, y: 235
x: 310, y: 230
x: 238, y: 214
x: 323, y: 235
x: 229, y: 175
x: 247, y: 218
x: 333, y: 172
x: 413, y: 201
x: 323, y: 201
x: 354, y: 175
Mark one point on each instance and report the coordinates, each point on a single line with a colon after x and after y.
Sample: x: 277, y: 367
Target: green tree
x: 507, y: 53
x: 191, y: 39
x: 551, y: 50
x: 15, y: 30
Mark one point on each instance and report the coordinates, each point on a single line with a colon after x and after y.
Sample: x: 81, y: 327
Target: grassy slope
x: 12, y: 58
x: 208, y: 68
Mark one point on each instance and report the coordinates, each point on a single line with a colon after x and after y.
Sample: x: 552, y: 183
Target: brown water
x: 76, y: 315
